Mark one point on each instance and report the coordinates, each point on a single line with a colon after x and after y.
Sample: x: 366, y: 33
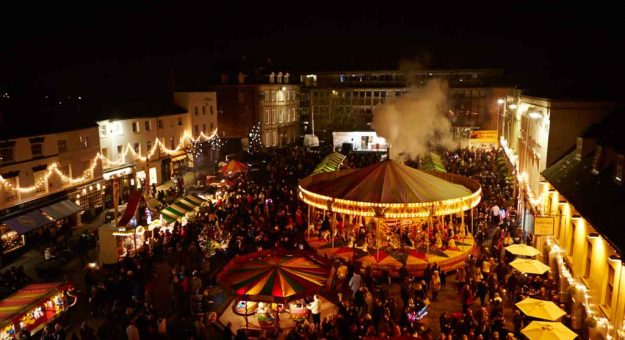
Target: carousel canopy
x: 180, y: 207
x: 276, y: 275
x: 389, y: 184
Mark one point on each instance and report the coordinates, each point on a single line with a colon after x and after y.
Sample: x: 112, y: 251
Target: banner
x: 115, y: 195
x: 543, y: 225
x: 483, y: 137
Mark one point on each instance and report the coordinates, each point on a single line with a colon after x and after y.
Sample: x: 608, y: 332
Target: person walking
x: 315, y: 310
x: 354, y: 283
x: 436, y: 285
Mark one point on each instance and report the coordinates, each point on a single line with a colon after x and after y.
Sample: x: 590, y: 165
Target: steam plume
x: 416, y: 122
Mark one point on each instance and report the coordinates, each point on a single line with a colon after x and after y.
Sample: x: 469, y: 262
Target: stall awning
x: 28, y: 221
x: 26, y: 298
x: 131, y: 208
x: 181, y: 207
x: 330, y: 163
x: 61, y: 209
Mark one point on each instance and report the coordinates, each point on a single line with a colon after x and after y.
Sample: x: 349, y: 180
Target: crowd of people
x: 260, y: 210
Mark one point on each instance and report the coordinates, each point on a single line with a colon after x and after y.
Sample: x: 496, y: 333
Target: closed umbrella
x: 540, y: 309
x: 527, y: 266
x: 522, y: 250
x: 543, y: 330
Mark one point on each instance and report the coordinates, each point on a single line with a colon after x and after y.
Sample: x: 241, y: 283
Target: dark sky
x: 86, y: 48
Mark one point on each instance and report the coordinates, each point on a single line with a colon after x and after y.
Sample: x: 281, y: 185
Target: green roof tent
x: 330, y: 163
x: 180, y: 207
x: 432, y: 162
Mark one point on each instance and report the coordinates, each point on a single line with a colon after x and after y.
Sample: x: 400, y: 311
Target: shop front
x: 33, y: 307
x: 15, y: 230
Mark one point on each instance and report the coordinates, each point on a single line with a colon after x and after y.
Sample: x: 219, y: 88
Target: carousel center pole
x: 308, y: 222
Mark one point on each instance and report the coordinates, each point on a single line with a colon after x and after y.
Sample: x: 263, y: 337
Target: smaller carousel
x: 388, y: 215
x: 270, y: 283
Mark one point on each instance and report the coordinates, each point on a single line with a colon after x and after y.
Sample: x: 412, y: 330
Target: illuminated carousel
x: 387, y: 215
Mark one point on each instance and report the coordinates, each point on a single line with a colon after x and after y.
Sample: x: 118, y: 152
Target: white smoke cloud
x: 416, y: 122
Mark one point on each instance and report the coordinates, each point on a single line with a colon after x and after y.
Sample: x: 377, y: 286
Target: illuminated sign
x: 543, y: 225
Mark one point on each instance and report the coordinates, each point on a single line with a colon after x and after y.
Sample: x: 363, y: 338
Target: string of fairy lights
x: 53, y: 169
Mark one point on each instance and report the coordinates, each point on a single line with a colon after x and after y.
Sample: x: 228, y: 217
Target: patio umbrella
x: 522, y: 250
x: 527, y: 266
x: 540, y: 309
x: 276, y: 275
x: 542, y: 330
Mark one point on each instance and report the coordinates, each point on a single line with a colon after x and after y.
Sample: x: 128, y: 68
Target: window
x: 40, y: 181
x: 273, y: 96
x: 273, y: 116
x: 203, y: 110
x: 609, y: 287
x: 105, y: 152
x: 572, y: 241
x: 281, y: 116
x: 288, y: 96
x: 120, y: 150
x: 172, y: 143
x: 135, y: 127
x: 103, y: 130
x: 84, y: 141
x: 618, y: 174
x: 266, y: 96
x: 9, y: 194
x: 160, y: 123
x: 267, y: 115
x: 35, y: 149
x: 595, y: 160
x: 211, y: 109
x: 6, y: 155
x: 267, y: 139
x: 148, y: 126
x: 137, y: 148
x: 148, y: 146
x: 588, y: 259
x: 62, y: 145
x: 179, y: 121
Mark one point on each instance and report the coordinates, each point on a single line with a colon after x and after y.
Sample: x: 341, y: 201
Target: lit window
x: 267, y: 116
x: 273, y: 96
x: 588, y: 259
x: 609, y: 290
x: 273, y: 116
x: 84, y: 141
x: 9, y: 194
x: 40, y: 181
x: 103, y: 130
x: 6, y: 155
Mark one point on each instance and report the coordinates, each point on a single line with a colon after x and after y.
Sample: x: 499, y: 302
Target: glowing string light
x: 88, y: 173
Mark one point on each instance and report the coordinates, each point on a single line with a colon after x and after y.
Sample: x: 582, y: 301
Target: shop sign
x: 543, y: 225
x: 483, y: 137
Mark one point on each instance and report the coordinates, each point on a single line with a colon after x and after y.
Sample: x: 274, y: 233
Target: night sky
x: 115, y: 47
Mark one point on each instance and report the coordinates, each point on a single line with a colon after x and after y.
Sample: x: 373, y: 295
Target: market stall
x: 33, y: 307
x: 10, y: 240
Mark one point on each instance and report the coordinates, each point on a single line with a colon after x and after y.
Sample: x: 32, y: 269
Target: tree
x: 255, y: 140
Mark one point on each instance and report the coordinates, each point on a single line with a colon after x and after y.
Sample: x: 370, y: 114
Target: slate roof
x: 597, y: 197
